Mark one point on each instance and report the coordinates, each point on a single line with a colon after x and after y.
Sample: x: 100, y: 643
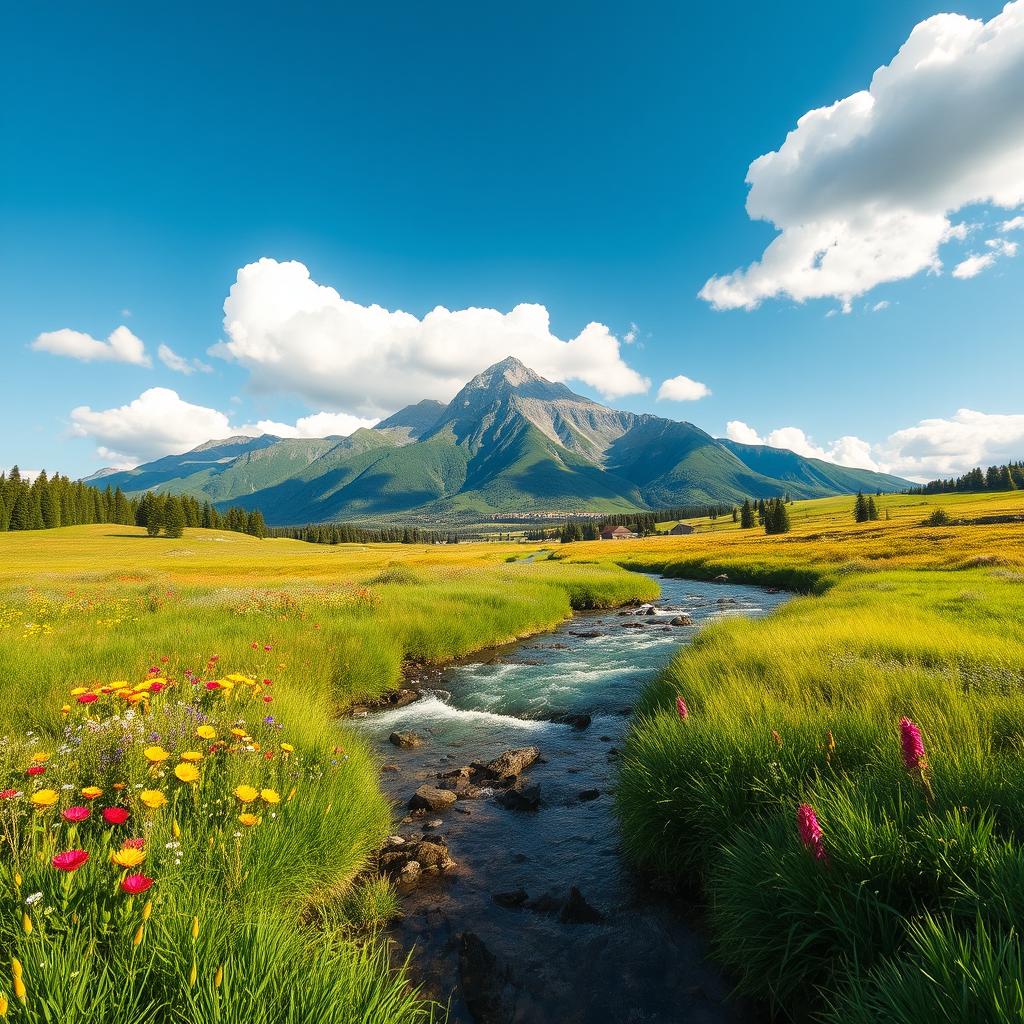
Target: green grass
x: 919, y: 900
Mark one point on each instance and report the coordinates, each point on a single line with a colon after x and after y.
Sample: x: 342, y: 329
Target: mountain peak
x: 510, y: 371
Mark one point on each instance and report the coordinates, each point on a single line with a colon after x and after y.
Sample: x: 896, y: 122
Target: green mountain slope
x: 510, y: 441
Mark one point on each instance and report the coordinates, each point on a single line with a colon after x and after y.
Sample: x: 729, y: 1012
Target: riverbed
x: 646, y: 960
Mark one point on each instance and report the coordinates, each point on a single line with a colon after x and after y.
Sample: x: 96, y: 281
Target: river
x: 647, y: 962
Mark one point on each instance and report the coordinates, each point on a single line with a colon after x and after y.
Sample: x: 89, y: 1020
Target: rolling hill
x: 510, y: 441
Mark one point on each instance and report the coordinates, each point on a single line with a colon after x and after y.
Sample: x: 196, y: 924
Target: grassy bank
x: 302, y: 630
x: 900, y: 898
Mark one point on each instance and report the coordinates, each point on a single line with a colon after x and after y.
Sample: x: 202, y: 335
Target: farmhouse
x: 617, y: 533
x: 680, y: 528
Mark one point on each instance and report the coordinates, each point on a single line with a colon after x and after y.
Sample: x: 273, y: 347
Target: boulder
x: 512, y: 762
x: 651, y: 611
x: 576, y: 910
x: 480, y: 980
x: 589, y: 794
x: 433, y: 854
x: 511, y: 900
x: 430, y: 798
x: 681, y: 620
x: 406, y: 740
x: 410, y: 872
x: 723, y: 578
x: 520, y: 798
x: 576, y: 721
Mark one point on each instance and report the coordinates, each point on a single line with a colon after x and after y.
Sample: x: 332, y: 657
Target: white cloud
x: 121, y: 346
x: 180, y: 364
x: 879, y: 306
x: 682, y: 389
x: 973, y: 265
x: 295, y: 335
x: 948, y: 447
x: 159, y: 422
x: 321, y: 424
x: 846, y: 451
x: 1013, y: 224
x: 631, y: 335
x: 862, y: 191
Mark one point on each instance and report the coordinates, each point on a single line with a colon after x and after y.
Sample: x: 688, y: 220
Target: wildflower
x: 830, y: 742
x: 139, y: 933
x: 87, y: 698
x: 270, y: 796
x: 133, y: 844
x: 213, y: 685
x: 287, y: 748
x: 26, y: 923
x: 70, y: 860
x: 195, y: 928
x: 810, y: 832
x: 147, y: 910
x: 75, y: 814
x: 218, y: 977
x: 115, y: 815
x: 134, y: 885
x: 8, y: 794
x: 33, y: 898
x: 3, y: 1004
x: 249, y: 820
x: 175, y: 829
x: 155, y: 755
x: 193, y: 974
x: 681, y: 709
x: 913, y: 746
x: 192, y: 756
x: 240, y: 733
x: 206, y: 732
x: 19, y: 989
x: 130, y: 858
x: 92, y: 792
x: 41, y: 757
x: 246, y: 794
x: 43, y: 799
x: 152, y: 798
x: 777, y: 738
x: 187, y: 772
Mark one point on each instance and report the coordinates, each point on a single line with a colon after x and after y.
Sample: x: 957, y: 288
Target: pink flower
x: 213, y: 685
x: 135, y: 884
x: 87, y: 698
x: 913, y: 745
x: 70, y: 860
x: 8, y: 794
x: 810, y: 832
x: 267, y: 647
x: 682, y: 709
x: 115, y: 815
x: 156, y: 687
x: 75, y: 814
x: 133, y: 844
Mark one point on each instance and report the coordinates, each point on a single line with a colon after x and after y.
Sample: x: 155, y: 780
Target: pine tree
x: 154, y: 517
x: 872, y: 510
x: 174, y: 517
x: 747, y: 515
x: 860, y: 508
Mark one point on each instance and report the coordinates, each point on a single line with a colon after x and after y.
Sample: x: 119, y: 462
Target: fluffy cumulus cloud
x: 682, y: 389
x: 159, y: 422
x: 930, y: 449
x: 121, y: 346
x: 862, y: 191
x: 977, y: 262
x: 296, y: 335
x: 179, y: 364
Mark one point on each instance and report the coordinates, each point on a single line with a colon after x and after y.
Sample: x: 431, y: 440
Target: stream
x: 646, y: 961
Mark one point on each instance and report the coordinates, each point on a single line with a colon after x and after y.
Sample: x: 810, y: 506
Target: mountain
x: 510, y: 441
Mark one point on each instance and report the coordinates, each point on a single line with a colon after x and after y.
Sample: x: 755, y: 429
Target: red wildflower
x: 810, y: 832
x: 156, y: 687
x: 7, y: 794
x: 913, y: 745
x: 70, y: 860
x: 213, y: 685
x: 133, y: 844
x: 682, y: 709
x: 87, y: 698
x: 267, y: 698
x: 36, y: 769
x: 75, y: 814
x: 135, y: 884
x: 115, y: 815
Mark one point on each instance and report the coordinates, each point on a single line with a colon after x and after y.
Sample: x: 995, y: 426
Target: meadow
x: 185, y: 824
x: 843, y: 779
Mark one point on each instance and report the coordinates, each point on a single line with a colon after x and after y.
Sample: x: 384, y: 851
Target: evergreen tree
x: 174, y: 517
x: 747, y: 515
x: 872, y: 510
x: 860, y: 508
x: 154, y: 516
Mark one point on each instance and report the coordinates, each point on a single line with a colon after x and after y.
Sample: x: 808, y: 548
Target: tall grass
x: 918, y: 900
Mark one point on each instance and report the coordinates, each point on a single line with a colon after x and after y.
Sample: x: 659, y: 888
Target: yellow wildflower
x: 249, y: 819
x: 287, y: 748
x: 155, y: 755
x: 43, y: 798
x: 240, y: 733
x: 65, y: 709
x: 79, y: 690
x: 147, y: 910
x: 92, y: 792
x: 127, y: 858
x: 195, y: 928
x: 26, y: 923
x: 270, y: 796
x: 118, y: 684
x: 192, y: 756
x: 192, y: 974
x: 218, y: 977
x: 152, y: 798
x: 187, y: 772
x: 175, y: 829
x: 206, y: 732
x: 19, y: 990
x: 139, y: 932
x: 3, y: 1004
x: 246, y: 794
x: 16, y: 968
x: 41, y: 757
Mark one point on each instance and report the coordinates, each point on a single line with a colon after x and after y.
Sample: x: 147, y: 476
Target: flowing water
x: 647, y: 962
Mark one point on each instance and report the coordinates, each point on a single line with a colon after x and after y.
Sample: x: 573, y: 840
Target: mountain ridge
x: 509, y: 441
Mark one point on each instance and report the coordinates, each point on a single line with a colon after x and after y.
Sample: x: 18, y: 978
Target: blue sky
x: 583, y: 157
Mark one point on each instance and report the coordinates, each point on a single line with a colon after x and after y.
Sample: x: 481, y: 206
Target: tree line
x: 49, y: 502
x: 346, y: 533
x: 1008, y: 477
x: 771, y: 514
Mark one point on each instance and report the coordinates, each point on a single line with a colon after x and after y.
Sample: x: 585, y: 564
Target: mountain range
x: 509, y: 442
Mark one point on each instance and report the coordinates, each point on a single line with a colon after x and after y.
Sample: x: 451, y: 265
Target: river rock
x: 430, y: 798
x: 723, y: 578
x: 432, y: 853
x: 681, y: 620
x: 480, y: 980
x: 410, y: 872
x: 576, y: 721
x: 726, y: 600
x: 520, y: 798
x: 634, y: 625
x: 589, y: 794
x: 576, y: 910
x: 651, y: 611
x: 406, y: 740
x: 511, y: 900
x: 512, y: 762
